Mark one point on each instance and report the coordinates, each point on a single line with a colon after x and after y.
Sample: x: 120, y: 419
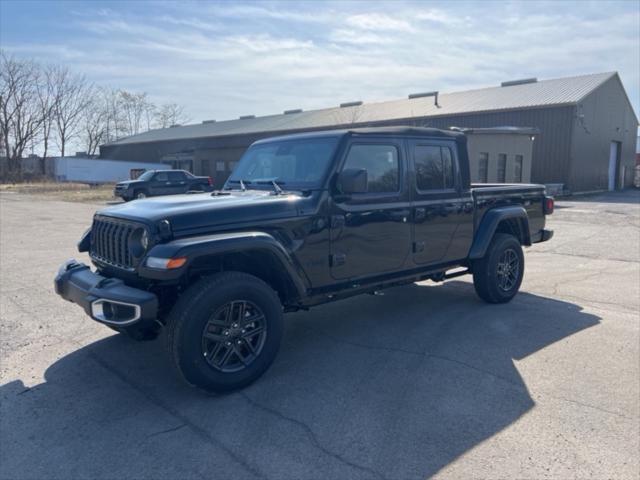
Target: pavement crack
x: 168, y: 430
x: 578, y: 255
x: 585, y: 405
x: 199, y: 431
x: 311, y: 435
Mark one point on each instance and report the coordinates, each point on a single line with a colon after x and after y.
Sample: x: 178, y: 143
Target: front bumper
x: 106, y: 300
x: 124, y: 194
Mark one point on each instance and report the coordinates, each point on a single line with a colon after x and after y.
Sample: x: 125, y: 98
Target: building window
x: 434, y: 168
x: 517, y: 169
x: 483, y: 168
x: 381, y: 164
x: 220, y: 166
x: 502, y: 167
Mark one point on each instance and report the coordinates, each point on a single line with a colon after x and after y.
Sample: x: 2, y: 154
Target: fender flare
x: 194, y: 248
x: 489, y: 224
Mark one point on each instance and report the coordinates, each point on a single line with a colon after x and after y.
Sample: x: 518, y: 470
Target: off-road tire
x: 191, y: 314
x: 487, y: 278
x: 138, y: 194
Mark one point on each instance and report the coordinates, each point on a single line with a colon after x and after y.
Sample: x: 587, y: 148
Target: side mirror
x: 352, y: 180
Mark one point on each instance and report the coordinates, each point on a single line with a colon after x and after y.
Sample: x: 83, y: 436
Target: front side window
x: 146, y: 176
x: 483, y: 168
x: 380, y: 162
x: 161, y: 177
x: 502, y: 167
x: 301, y: 163
x: 434, y: 167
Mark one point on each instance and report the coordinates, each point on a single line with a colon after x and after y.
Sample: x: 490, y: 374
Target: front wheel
x: 225, y: 331
x: 498, y: 275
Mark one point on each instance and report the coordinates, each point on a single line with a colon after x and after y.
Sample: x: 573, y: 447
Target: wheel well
x: 517, y: 227
x: 262, y: 264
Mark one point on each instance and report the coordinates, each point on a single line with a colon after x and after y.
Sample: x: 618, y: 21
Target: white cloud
x: 378, y: 21
x: 224, y: 60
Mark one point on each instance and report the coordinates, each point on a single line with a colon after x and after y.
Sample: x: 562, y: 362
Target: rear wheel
x: 225, y: 331
x: 497, y: 276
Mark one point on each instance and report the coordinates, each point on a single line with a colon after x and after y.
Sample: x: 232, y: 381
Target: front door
x: 614, y: 164
x: 160, y: 184
x: 442, y: 214
x: 371, y: 232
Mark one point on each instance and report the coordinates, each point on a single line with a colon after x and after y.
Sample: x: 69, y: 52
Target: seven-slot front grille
x: 110, y: 241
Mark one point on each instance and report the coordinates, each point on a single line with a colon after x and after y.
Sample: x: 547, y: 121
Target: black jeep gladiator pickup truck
x: 161, y: 182
x: 303, y: 220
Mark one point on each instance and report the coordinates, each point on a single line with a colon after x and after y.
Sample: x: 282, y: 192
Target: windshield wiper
x: 274, y: 183
x: 243, y: 183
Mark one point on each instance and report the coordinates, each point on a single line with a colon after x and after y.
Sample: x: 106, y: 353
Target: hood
x: 128, y: 182
x: 199, y: 211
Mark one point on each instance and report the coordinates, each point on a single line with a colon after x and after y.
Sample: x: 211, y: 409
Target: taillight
x: 548, y: 205
x: 210, y: 181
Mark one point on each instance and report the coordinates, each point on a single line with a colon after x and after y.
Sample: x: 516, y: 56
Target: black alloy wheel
x: 508, y: 270
x: 234, y: 336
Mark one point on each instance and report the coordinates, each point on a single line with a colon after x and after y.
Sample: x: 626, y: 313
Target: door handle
x: 337, y: 259
x: 399, y: 215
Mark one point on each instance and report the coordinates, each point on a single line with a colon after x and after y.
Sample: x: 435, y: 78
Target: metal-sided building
x: 586, y: 141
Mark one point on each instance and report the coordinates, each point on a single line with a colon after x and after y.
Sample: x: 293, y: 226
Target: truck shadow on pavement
x: 394, y: 387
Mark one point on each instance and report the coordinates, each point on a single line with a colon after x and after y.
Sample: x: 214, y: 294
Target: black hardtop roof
x: 377, y: 131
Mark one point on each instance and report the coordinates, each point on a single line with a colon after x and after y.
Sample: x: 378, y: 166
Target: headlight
x: 139, y: 242
x: 144, y: 240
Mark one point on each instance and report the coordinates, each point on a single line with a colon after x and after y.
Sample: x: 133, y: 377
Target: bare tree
x: 72, y: 95
x: 21, y: 115
x: 134, y: 108
x: 95, y: 124
x: 170, y: 114
x: 47, y: 101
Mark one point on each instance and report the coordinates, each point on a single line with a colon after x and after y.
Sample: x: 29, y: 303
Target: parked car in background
x: 162, y: 182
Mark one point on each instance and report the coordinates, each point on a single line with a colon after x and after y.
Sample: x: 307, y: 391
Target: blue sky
x: 225, y: 59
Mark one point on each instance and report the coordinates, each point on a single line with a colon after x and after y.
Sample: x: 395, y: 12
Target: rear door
x: 371, y: 232
x: 177, y: 183
x: 442, y: 213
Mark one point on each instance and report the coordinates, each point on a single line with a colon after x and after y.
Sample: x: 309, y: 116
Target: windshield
x: 146, y: 175
x: 300, y: 163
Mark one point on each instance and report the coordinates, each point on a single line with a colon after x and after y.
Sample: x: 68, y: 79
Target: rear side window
x: 381, y: 164
x: 176, y: 176
x: 434, y: 167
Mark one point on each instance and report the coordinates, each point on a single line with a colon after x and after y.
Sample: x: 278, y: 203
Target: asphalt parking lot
x: 424, y: 381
